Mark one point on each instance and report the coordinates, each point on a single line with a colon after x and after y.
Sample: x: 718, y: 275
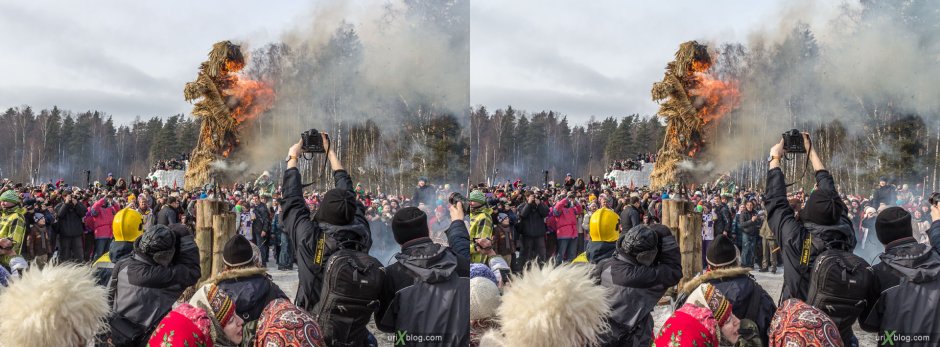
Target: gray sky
x: 130, y: 58
x: 595, y: 57
x: 125, y: 58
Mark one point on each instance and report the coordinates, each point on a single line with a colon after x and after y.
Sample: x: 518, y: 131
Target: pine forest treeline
x: 53, y: 143
x: 510, y: 143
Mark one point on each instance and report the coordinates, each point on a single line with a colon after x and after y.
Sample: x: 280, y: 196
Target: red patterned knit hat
x: 706, y: 295
x: 222, y: 305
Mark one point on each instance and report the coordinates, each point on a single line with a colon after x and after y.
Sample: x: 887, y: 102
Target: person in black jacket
x: 750, y: 223
x: 723, y: 222
x: 532, y: 228
x: 427, y: 291
x: 70, y: 213
x: 424, y: 192
x: 144, y: 286
x: 645, y: 265
x: 823, y: 224
x: 908, y: 277
x: 261, y: 227
x: 169, y: 213
x: 630, y: 216
x: 340, y: 217
x: 748, y: 299
x: 886, y: 194
x: 824, y: 218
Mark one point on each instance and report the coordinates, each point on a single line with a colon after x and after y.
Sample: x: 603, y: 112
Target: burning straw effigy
x: 223, y: 100
x: 689, y: 99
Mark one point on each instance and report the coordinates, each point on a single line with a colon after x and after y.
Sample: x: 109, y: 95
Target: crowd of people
x: 594, y: 256
x: 134, y: 245
x: 845, y: 259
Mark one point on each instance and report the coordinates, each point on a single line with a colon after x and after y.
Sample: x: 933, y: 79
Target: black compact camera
x: 793, y: 142
x: 456, y: 197
x: 312, y: 141
x: 934, y: 199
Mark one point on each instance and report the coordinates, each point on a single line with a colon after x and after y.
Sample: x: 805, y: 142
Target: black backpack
x: 352, y: 282
x: 839, y: 285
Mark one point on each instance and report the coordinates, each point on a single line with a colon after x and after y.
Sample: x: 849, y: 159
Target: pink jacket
x: 565, y: 219
x: 101, y: 218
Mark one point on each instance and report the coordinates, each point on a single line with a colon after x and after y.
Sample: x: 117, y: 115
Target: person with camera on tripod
x: 820, y: 241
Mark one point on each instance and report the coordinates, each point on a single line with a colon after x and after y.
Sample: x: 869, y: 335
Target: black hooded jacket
x: 427, y: 291
x: 635, y: 290
x: 308, y: 237
x: 791, y: 233
x: 908, y: 280
x: 143, y: 291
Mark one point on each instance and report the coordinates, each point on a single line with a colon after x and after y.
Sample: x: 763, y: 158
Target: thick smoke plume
x: 860, y: 64
x: 374, y: 77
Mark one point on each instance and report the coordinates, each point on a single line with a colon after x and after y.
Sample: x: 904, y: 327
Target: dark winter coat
x: 262, y: 222
x: 629, y: 218
x: 426, y: 292
x: 252, y: 290
x: 908, y: 307
x: 749, y: 227
x: 168, y: 215
x: 144, y: 291
x: 308, y: 237
x: 70, y: 219
x: 532, y: 220
x: 424, y: 194
x: 739, y: 287
x: 635, y: 290
x: 791, y: 233
x: 103, y: 269
x: 887, y: 195
x: 723, y: 222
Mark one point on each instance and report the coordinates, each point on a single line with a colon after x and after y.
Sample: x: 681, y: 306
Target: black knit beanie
x: 721, y: 252
x: 824, y: 207
x: 893, y: 223
x: 408, y: 224
x: 338, y: 207
x: 237, y: 251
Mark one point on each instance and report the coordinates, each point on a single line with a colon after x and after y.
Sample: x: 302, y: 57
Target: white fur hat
x: 552, y: 306
x: 484, y: 298
x: 55, y: 306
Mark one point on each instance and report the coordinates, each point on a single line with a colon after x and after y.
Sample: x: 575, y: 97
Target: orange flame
x: 246, y: 98
x: 713, y: 97
x: 249, y: 98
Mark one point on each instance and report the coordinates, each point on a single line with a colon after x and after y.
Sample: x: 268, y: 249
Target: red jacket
x: 565, y: 219
x: 101, y: 218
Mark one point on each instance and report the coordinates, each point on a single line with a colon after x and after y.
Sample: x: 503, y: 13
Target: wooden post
x: 223, y: 226
x: 686, y: 226
x: 690, y: 245
x: 203, y: 237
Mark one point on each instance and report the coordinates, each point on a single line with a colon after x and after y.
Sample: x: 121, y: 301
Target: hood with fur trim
x: 251, y: 287
x: 55, y: 306
x: 552, y: 306
x: 716, y: 274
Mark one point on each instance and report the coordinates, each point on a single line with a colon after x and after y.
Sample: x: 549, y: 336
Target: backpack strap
x: 807, y: 247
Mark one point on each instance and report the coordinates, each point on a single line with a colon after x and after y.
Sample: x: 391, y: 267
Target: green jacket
x: 481, y: 227
x: 13, y: 225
